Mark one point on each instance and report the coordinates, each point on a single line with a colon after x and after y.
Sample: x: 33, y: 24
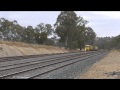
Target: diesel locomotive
x: 91, y: 48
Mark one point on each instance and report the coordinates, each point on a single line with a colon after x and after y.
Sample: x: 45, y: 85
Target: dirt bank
x: 105, y: 68
x: 13, y: 50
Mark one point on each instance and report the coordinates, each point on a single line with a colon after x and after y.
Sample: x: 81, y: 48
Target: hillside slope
x: 8, y: 49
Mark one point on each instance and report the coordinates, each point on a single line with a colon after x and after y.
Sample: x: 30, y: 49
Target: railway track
x: 2, y: 59
x: 35, y: 66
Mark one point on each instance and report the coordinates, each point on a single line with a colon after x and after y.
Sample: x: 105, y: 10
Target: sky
x: 104, y: 23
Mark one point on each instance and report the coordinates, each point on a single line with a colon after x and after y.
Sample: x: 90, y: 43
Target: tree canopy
x: 12, y: 31
x: 71, y: 29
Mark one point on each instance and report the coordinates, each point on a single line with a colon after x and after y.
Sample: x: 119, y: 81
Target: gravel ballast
x: 106, y: 68
x: 71, y: 72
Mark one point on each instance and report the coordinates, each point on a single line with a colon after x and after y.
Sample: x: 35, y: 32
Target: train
x: 91, y: 48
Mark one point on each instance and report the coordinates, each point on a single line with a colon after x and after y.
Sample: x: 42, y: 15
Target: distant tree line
x: 115, y: 42
x: 103, y: 42
x: 12, y: 31
x: 108, y: 42
x: 69, y: 27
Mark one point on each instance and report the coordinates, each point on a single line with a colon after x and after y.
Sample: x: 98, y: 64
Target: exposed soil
x: 13, y: 50
x: 107, y: 68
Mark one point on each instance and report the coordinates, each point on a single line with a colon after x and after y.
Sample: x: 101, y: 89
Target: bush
x: 49, y: 42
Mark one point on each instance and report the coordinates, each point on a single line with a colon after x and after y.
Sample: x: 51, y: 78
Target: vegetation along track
x: 34, y: 67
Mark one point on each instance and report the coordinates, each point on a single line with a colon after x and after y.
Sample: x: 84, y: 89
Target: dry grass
x: 20, y: 49
x: 21, y: 44
x: 100, y: 70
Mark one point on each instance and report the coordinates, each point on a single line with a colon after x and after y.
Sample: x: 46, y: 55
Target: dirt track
x: 106, y: 68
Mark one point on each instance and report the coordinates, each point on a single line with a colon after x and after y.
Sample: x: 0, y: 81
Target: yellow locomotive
x: 91, y: 48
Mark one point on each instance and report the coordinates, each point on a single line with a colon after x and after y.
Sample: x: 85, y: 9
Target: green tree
x: 81, y: 32
x: 48, y: 29
x: 65, y: 26
x: 89, y: 35
x: 29, y: 34
x: 42, y: 31
x: 115, y: 42
x: 72, y: 30
x: 40, y: 37
x: 10, y: 29
x: 104, y: 42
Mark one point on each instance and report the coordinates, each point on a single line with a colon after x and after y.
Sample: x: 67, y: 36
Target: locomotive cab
x: 91, y: 48
x: 88, y: 47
